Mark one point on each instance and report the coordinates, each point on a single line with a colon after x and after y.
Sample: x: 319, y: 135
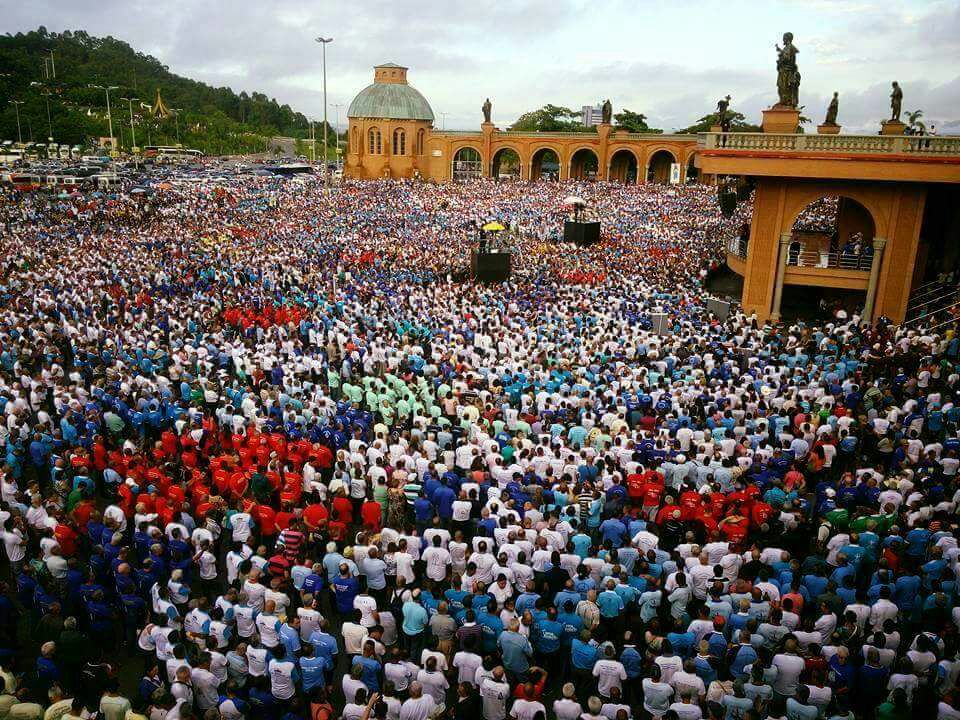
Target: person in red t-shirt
x: 734, y: 526
x: 343, y: 508
x: 690, y: 503
x: 267, y: 520
x: 666, y: 512
x: 635, y: 488
x: 652, y: 495
x: 760, y: 512
x: 371, y: 513
x: 315, y: 515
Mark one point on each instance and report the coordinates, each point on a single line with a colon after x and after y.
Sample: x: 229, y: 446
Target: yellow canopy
x: 493, y: 226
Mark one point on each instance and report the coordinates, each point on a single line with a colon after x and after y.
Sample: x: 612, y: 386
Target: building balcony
x: 920, y: 145
x: 900, y: 158
x: 810, y: 267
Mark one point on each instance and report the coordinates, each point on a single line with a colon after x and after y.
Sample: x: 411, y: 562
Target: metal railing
x: 924, y: 145
x: 738, y: 246
x: 931, y: 316
x: 837, y: 260
x: 920, y: 312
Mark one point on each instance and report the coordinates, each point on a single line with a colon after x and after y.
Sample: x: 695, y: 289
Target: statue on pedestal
x: 723, y: 117
x: 896, y: 100
x: 788, y: 75
x: 832, y: 110
x: 607, y: 114
x: 487, y: 107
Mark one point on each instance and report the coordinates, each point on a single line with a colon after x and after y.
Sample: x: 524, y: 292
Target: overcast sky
x: 671, y: 61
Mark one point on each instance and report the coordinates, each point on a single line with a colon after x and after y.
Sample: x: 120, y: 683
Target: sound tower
x: 581, y: 233
x: 490, y: 267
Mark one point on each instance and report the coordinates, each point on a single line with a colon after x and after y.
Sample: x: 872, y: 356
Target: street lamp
x: 16, y: 106
x: 133, y: 136
x: 176, y: 120
x: 46, y: 94
x: 107, y: 90
x: 326, y: 171
x: 336, y: 130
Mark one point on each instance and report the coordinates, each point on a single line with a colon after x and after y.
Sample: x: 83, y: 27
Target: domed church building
x: 391, y: 135
x: 390, y: 122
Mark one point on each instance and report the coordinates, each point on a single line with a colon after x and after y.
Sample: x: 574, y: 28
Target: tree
x: 738, y: 123
x: 218, y: 118
x: 551, y: 118
x: 917, y: 126
x: 634, y: 122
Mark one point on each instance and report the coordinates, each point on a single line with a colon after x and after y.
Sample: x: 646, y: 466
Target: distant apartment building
x: 592, y: 115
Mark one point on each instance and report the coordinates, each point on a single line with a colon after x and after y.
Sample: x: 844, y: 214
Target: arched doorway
x: 467, y: 164
x: 545, y: 165
x: 584, y: 165
x: 832, y: 231
x: 506, y: 164
x: 693, y: 172
x: 623, y: 167
x: 658, y: 167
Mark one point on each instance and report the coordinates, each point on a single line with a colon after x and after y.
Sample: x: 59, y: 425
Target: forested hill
x: 212, y: 119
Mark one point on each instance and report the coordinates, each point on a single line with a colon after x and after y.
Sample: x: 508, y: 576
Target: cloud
x: 669, y: 61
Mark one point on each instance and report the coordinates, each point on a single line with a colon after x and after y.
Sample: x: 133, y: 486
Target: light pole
x: 46, y: 94
x: 443, y: 121
x: 107, y: 90
x: 336, y: 129
x: 133, y: 135
x: 16, y: 106
x: 326, y: 171
x: 176, y: 120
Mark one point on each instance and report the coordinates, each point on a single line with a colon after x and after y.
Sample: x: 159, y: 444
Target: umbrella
x: 493, y: 227
x: 574, y: 200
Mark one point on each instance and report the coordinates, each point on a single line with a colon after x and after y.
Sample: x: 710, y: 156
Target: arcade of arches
x: 460, y: 156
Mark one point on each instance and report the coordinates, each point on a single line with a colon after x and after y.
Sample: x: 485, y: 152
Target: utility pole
x: 133, y: 136
x: 16, y: 106
x: 326, y: 171
x: 336, y: 129
x: 53, y: 66
x: 176, y: 120
x: 46, y: 95
x: 107, y: 90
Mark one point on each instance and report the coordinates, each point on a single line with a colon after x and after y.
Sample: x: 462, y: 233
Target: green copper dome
x: 390, y: 100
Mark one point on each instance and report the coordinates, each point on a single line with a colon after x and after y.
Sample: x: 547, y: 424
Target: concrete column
x: 878, y: 246
x: 783, y: 254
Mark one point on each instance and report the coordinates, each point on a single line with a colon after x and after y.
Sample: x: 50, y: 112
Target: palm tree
x: 916, y: 125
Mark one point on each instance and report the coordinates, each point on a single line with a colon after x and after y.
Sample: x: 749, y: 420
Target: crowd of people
x: 268, y: 454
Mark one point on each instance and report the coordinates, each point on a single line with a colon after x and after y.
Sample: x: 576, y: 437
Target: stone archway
x: 545, y: 164
x: 506, y: 164
x: 693, y: 172
x: 584, y: 165
x: 624, y: 167
x: 467, y: 164
x: 658, y: 166
x: 832, y: 231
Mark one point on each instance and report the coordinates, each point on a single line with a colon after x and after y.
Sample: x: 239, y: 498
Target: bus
x: 25, y: 181
x: 10, y: 155
x: 162, y: 154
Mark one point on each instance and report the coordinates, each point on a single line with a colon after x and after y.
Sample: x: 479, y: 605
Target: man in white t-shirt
x: 437, y: 559
x: 609, y: 672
